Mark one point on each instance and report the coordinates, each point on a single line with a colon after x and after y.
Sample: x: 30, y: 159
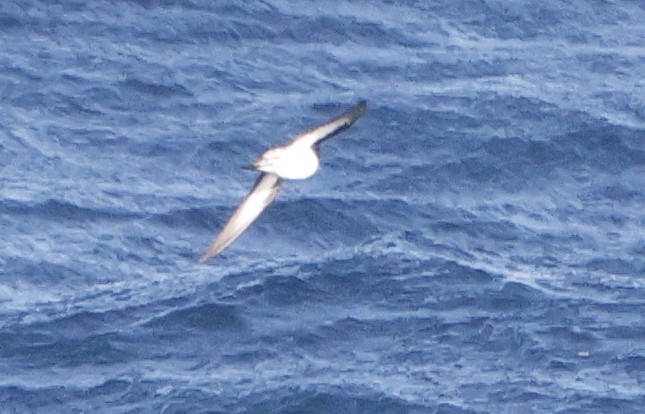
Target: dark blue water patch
x: 375, y: 331
x: 541, y: 154
x: 43, y: 273
x: 567, y: 334
x: 284, y: 291
x: 209, y: 22
x: 608, y: 64
x: 143, y: 96
x: 243, y: 355
x: 515, y: 21
x: 515, y: 297
x: 50, y: 349
x: 127, y: 393
x: 208, y: 317
x: 461, y: 276
x: 605, y: 148
x: 562, y: 365
x: 517, y: 164
x: 126, y: 249
x: 20, y: 75
x: 604, y: 287
x: 328, y: 400
x: 501, y: 231
x: 229, y: 155
x: 508, y: 110
x: 259, y: 22
x: 32, y: 100
x: 415, y: 133
x: 599, y: 148
x: 625, y: 332
x: 106, y: 98
x: 169, y: 147
x: 611, y: 404
x: 616, y: 266
x: 10, y: 17
x: 515, y: 392
x: 375, y: 281
x: 305, y: 218
x: 623, y: 102
x: 109, y: 388
x: 621, y: 193
x: 614, y: 194
x: 193, y: 218
x: 447, y: 408
x: 95, y: 350
x: 61, y: 210
x: 434, y: 69
x: 17, y: 399
x: 633, y: 364
x: 157, y: 90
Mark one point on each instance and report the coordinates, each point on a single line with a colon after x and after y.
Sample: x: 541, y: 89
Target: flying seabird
x: 297, y: 160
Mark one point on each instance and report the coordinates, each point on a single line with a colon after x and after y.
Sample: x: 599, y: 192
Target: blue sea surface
x: 474, y: 244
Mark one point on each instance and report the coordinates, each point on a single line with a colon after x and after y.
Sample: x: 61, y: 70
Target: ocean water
x: 474, y: 244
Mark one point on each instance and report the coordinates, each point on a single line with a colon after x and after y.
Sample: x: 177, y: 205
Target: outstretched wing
x: 333, y: 127
x: 263, y: 193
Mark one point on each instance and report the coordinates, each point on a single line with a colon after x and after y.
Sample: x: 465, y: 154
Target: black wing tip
x: 356, y: 111
x: 360, y: 107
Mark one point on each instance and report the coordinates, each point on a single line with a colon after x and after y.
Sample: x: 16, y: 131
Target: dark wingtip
x: 357, y: 110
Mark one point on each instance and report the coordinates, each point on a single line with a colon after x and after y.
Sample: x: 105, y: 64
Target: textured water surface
x: 474, y: 244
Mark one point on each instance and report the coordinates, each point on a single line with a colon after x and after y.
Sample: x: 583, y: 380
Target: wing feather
x: 263, y: 193
x: 331, y: 128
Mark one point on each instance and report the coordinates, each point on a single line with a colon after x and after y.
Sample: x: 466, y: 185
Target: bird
x: 297, y: 160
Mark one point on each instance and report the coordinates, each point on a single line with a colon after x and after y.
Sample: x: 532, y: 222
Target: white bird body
x: 292, y: 162
x: 297, y: 160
